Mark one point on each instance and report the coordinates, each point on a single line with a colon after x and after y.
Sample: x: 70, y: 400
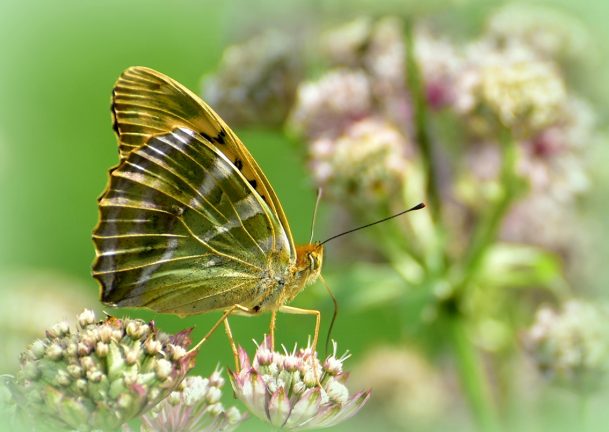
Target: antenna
x: 333, y: 315
x: 315, y: 213
x: 417, y: 207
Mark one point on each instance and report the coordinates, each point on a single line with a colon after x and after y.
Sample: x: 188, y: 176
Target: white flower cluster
x: 195, y: 406
x: 294, y: 390
x: 571, y: 345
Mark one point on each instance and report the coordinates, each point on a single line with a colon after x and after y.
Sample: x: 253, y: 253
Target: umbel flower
x: 100, y: 375
x: 327, y: 106
x: 195, y: 406
x: 512, y: 84
x: 551, y: 33
x: 571, y: 346
x: 256, y: 81
x: 284, y: 388
x: 365, y: 164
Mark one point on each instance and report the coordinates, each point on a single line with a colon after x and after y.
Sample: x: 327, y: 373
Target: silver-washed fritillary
x: 189, y: 223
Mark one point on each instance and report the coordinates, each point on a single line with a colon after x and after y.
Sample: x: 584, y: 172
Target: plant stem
x: 471, y: 374
x: 415, y: 84
x: 487, y: 229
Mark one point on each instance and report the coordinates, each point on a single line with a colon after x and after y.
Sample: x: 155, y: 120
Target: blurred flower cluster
x: 492, y: 132
x: 255, y: 82
x: 571, y: 346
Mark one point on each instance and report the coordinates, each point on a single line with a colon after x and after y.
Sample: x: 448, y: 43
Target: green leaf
x: 522, y: 266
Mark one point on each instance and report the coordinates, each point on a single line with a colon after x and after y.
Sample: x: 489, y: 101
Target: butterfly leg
x: 229, y: 334
x: 214, y: 327
x: 272, y: 329
x: 233, y: 347
x: 297, y: 311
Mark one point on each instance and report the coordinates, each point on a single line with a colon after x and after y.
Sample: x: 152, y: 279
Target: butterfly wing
x: 146, y: 103
x: 181, y: 229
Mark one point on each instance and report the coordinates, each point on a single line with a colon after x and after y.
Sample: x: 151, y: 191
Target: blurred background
x: 60, y: 60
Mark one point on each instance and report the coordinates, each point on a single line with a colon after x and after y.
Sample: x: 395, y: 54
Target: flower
x: 549, y: 32
x: 284, y: 388
x: 99, y: 376
x: 552, y: 163
x: 375, y: 47
x: 518, y: 89
x: 327, y: 106
x: 193, y: 407
x: 366, y: 162
x: 571, y: 346
x: 440, y: 64
x: 256, y: 81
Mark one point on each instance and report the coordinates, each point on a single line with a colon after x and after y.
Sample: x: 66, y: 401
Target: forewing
x: 181, y: 230
x: 146, y: 103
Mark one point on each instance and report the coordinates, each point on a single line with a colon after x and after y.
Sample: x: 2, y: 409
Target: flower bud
x: 94, y: 378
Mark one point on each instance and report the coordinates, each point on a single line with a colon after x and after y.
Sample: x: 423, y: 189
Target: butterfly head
x: 309, y: 261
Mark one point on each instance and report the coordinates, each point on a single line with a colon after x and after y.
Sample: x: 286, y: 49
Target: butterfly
x: 188, y: 222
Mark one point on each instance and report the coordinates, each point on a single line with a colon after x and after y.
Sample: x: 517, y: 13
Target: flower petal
x: 250, y: 388
x: 336, y: 414
x: 305, y: 409
x: 244, y: 360
x: 279, y: 407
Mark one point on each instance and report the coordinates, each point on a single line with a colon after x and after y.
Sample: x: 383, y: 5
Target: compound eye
x: 312, y: 261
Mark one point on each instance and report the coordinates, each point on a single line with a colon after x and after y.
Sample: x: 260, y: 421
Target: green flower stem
x: 471, y: 374
x: 415, y: 83
x: 489, y: 225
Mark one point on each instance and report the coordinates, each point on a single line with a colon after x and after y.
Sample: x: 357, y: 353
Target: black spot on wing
x: 239, y: 164
x: 254, y: 183
x: 218, y: 139
x: 113, y: 112
x: 221, y: 138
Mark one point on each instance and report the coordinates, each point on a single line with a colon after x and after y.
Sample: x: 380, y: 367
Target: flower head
x: 549, y: 32
x: 366, y: 162
x: 194, y: 406
x: 284, y: 388
x: 375, y: 47
x: 513, y: 85
x: 100, y: 375
x: 571, y: 346
x: 327, y: 106
x: 440, y: 64
x: 256, y: 81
